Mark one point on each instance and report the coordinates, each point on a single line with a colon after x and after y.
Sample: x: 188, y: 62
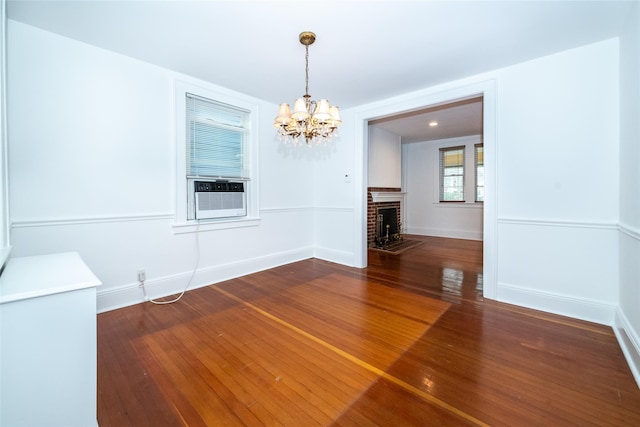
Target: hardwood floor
x: 408, y: 341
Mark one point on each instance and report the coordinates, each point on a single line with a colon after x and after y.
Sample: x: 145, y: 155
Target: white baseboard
x: 579, y: 308
x: 130, y: 294
x: 452, y: 234
x: 332, y: 255
x: 629, y: 342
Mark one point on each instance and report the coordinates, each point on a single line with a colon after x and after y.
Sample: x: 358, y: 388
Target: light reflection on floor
x: 456, y: 284
x: 452, y: 280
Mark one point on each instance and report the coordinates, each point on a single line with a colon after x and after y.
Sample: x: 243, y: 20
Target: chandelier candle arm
x: 316, y: 122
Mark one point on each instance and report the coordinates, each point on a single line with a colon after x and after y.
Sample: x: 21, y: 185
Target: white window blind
x: 216, y: 139
x: 479, y: 171
x: 452, y: 174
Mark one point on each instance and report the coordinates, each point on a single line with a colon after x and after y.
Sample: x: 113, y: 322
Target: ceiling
x: 453, y: 119
x: 364, y: 51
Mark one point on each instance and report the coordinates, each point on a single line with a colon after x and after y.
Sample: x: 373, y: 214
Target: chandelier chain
x: 306, y: 58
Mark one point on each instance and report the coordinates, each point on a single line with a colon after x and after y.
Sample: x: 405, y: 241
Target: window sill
x: 463, y: 205
x: 214, y: 224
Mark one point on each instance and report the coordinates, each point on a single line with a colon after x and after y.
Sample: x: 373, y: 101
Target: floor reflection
x: 452, y: 281
x: 448, y: 268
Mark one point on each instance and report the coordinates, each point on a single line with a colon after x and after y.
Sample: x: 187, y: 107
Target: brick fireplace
x: 381, y: 197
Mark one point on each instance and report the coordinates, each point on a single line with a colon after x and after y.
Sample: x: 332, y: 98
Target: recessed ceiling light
x: 433, y: 123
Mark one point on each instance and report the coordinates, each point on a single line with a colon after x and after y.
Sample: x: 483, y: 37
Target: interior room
x: 149, y: 279
x: 403, y: 157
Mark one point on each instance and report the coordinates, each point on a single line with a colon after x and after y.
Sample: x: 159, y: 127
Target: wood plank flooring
x: 408, y: 341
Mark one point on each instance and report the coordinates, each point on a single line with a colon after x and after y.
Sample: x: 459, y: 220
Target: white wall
x: 551, y: 164
x: 628, y: 315
x: 385, y: 158
x: 333, y: 193
x: 557, y: 165
x: 92, y: 160
x: 424, y: 214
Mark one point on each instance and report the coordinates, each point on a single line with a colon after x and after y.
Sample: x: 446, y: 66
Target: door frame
x: 416, y: 101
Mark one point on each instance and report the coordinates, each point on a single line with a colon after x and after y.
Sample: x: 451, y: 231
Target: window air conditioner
x: 219, y: 199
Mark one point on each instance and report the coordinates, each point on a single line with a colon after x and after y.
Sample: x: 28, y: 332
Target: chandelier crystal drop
x: 312, y: 122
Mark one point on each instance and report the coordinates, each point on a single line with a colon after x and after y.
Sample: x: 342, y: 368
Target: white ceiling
x: 454, y: 119
x: 365, y: 50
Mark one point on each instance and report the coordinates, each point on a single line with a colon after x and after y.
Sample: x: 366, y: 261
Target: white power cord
x: 193, y: 273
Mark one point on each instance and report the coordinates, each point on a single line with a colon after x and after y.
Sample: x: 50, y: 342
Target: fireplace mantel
x: 387, y: 196
x: 381, y: 197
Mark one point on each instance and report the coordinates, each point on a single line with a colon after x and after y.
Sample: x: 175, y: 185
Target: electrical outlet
x: 141, y: 275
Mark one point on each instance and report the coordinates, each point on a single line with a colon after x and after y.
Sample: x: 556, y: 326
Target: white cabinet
x: 48, y: 342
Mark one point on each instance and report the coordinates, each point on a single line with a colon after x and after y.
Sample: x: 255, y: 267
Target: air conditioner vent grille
x: 219, y: 199
x: 215, y: 201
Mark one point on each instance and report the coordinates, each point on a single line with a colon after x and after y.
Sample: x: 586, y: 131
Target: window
x: 479, y: 171
x: 216, y: 135
x: 215, y: 140
x: 452, y: 174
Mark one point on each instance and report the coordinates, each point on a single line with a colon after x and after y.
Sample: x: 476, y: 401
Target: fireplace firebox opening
x: 387, y: 227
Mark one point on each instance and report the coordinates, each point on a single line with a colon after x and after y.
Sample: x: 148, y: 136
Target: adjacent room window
x: 479, y: 171
x: 452, y: 174
x: 216, y: 139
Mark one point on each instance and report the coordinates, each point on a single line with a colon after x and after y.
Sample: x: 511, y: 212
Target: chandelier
x: 315, y: 122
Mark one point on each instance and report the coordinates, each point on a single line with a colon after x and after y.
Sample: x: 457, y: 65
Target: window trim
x: 475, y: 171
x: 181, y: 222
x: 468, y: 142
x: 441, y: 175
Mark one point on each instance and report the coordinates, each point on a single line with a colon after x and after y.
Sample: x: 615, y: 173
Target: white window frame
x: 469, y: 143
x: 181, y: 222
x: 442, y: 169
x: 475, y: 171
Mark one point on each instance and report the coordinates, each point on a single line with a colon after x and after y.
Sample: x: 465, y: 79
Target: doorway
x: 420, y: 101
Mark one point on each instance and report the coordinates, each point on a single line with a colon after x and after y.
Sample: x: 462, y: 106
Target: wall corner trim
x: 564, y: 305
x: 629, y: 342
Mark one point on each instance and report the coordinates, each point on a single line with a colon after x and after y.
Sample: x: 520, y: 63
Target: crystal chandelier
x: 311, y: 121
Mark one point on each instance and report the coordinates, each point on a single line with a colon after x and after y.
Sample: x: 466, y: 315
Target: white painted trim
x: 52, y: 222
x: 630, y: 231
x: 360, y: 188
x: 225, y: 96
x: 215, y: 224
x: 449, y: 233
x: 387, y: 196
x: 559, y: 223
x: 458, y: 205
x: 625, y: 333
x: 629, y: 342
x: 5, y: 233
x: 130, y: 294
x: 442, y: 94
x: 469, y: 184
x: 579, y: 308
x: 490, y: 205
x: 287, y: 210
x: 332, y: 255
x: 333, y: 209
x: 5, y: 253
